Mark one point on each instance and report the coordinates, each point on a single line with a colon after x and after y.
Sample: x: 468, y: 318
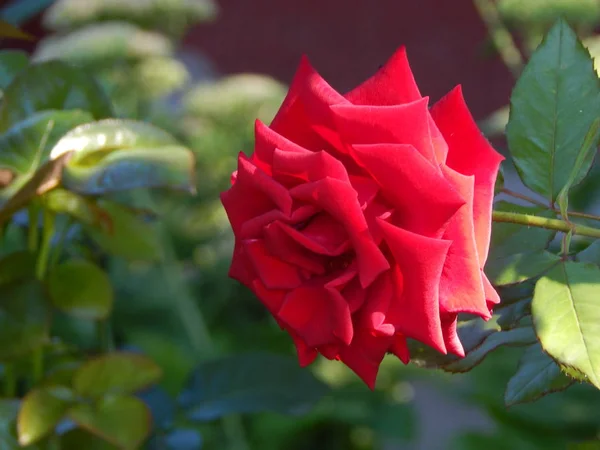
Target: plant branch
x: 544, y: 222
x: 501, y: 37
x: 543, y: 205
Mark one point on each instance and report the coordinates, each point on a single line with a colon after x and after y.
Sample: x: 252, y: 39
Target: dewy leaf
x: 115, y: 373
x: 123, y: 421
x: 536, y: 376
x: 24, y: 318
x: 115, y: 155
x: 11, y: 63
x: 566, y: 316
x: 587, y: 151
x: 127, y: 236
x: 52, y: 85
x: 82, y: 289
x: 26, y: 146
x: 514, y: 337
x: 553, y: 105
x: 517, y: 253
x: 250, y: 383
x: 41, y: 410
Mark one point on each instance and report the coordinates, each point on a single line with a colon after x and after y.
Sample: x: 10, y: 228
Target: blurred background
x: 204, y: 70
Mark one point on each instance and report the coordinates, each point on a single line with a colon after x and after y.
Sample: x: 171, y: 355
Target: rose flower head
x: 363, y: 220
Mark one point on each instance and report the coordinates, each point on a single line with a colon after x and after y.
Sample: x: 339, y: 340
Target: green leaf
x: 45, y: 179
x: 52, y: 85
x: 173, y: 17
x: 553, y: 105
x: 472, y: 333
x: 122, y: 421
x: 128, y: 236
x: 41, y: 410
x: 11, y: 63
x: 517, y: 253
x: 17, y: 267
x: 521, y: 267
x: 566, y: 316
x: 510, y: 315
x: 536, y: 376
x: 587, y: 151
x: 250, y: 383
x: 115, y: 373
x: 591, y: 254
x: 102, y: 44
x: 82, y: 209
x: 115, y: 155
x: 82, y: 289
x: 514, y: 337
x: 27, y: 144
x: 23, y: 318
x: 9, y: 409
x: 79, y: 439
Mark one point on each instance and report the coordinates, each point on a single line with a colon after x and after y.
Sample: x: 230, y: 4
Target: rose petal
x: 254, y: 193
x: 281, y: 245
x: 304, y: 116
x: 272, y: 298
x: 306, y: 354
x: 273, y: 272
x: 461, y: 286
x: 364, y: 355
x: 470, y: 154
x: 393, y: 84
x: 400, y: 348
x: 424, y: 199
x: 451, y: 339
x: 266, y: 141
x: 401, y: 124
x: 305, y: 165
x: 241, y: 269
x: 318, y: 315
x: 416, y: 307
x: 340, y: 201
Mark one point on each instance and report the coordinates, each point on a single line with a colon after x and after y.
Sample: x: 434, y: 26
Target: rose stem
x: 543, y: 222
x: 538, y: 203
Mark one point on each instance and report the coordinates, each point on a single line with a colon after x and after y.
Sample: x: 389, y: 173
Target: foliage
x: 109, y: 291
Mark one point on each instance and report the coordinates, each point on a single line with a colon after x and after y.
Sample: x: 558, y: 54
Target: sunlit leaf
x: 122, y: 421
x: 103, y: 43
x: 115, y: 155
x: 150, y: 14
x: 41, y: 411
x: 115, y: 373
x: 566, y: 316
x: 553, y: 106
x: 26, y: 146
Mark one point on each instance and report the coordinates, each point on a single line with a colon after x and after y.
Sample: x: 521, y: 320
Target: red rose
x: 363, y: 219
